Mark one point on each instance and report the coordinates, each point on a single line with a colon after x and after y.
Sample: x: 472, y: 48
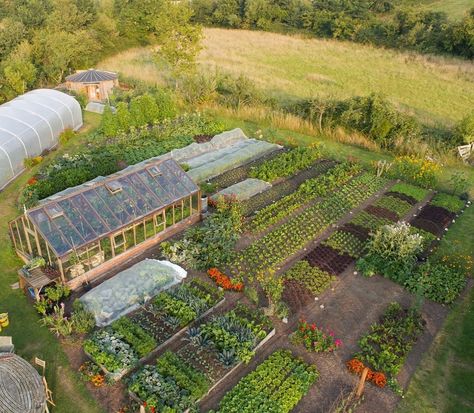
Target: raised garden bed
x: 276, y: 385
x: 357, y: 230
x: 281, y: 189
x: 407, y: 198
x: 433, y: 219
x: 242, y: 172
x: 128, y: 341
x: 385, y: 348
x: 212, y: 351
x: 296, y: 295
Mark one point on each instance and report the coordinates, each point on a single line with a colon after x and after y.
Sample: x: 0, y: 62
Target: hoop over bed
x: 131, y: 288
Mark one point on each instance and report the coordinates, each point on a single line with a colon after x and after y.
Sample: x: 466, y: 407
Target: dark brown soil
x: 433, y: 219
x: 296, y: 295
x: 329, y: 259
x: 360, y: 232
x: 202, y: 138
x: 407, y: 198
x: 382, y: 212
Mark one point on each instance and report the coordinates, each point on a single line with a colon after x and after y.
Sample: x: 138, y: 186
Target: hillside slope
x: 436, y: 89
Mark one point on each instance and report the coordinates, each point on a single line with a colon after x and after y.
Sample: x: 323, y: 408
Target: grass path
x: 30, y: 338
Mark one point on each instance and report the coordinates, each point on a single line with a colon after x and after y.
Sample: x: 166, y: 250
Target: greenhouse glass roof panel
x: 99, y: 208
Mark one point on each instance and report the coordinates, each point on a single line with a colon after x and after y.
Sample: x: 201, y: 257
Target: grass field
x: 436, y: 89
x: 455, y: 9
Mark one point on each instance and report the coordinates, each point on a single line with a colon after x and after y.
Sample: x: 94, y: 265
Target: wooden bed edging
x: 118, y: 375
x: 267, y: 338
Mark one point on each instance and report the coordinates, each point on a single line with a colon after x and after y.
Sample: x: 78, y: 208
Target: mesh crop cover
x: 32, y: 123
x: 245, y: 189
x: 131, y: 288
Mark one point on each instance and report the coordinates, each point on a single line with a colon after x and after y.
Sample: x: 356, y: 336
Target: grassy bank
x: 436, y: 89
x: 30, y: 338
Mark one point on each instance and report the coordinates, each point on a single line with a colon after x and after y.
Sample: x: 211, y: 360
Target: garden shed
x: 31, y: 124
x: 95, y: 84
x: 86, y: 230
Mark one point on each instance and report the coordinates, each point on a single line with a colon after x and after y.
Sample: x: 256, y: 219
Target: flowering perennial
x: 315, y: 338
x: 357, y: 367
x: 224, y: 281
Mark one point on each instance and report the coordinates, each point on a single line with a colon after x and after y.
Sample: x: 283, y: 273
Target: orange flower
x: 355, y: 366
x: 224, y: 281
x: 379, y: 379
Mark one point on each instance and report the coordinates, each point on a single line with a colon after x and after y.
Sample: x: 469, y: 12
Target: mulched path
x: 407, y: 198
x: 382, y: 212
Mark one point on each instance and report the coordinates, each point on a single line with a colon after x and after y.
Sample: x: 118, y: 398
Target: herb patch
x: 345, y: 242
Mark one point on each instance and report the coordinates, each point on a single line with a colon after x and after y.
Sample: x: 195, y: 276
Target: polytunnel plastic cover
x: 130, y: 289
x: 32, y: 123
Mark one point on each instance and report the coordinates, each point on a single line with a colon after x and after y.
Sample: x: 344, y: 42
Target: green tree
x: 227, y: 13
x: 56, y: 53
x: 124, y: 118
x: 70, y: 15
x: 179, y: 38
x: 464, y: 131
x: 17, y: 72
x: 12, y: 32
x: 109, y: 123
x: 139, y: 20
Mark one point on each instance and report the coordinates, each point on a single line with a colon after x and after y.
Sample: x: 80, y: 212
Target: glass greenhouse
x: 82, y: 231
x: 32, y: 123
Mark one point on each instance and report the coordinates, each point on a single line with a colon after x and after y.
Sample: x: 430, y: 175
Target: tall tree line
x: 42, y: 41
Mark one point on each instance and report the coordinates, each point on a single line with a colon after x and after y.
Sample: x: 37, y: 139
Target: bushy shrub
x: 66, y: 136
x: 82, y: 320
x: 30, y: 162
x: 438, y: 282
x: 395, y: 242
x: 210, y: 244
x: 464, y: 131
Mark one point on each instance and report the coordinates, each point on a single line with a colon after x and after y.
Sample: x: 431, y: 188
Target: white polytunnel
x: 32, y: 123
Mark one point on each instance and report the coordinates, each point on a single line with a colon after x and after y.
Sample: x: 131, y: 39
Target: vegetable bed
x: 277, y: 385
x: 385, y: 348
x: 119, y: 347
x: 284, y: 241
x: 210, y: 352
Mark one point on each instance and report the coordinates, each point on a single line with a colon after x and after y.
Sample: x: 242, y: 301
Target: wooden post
x: 360, y: 386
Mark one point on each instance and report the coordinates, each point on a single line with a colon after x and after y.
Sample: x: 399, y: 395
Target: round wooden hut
x: 95, y: 84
